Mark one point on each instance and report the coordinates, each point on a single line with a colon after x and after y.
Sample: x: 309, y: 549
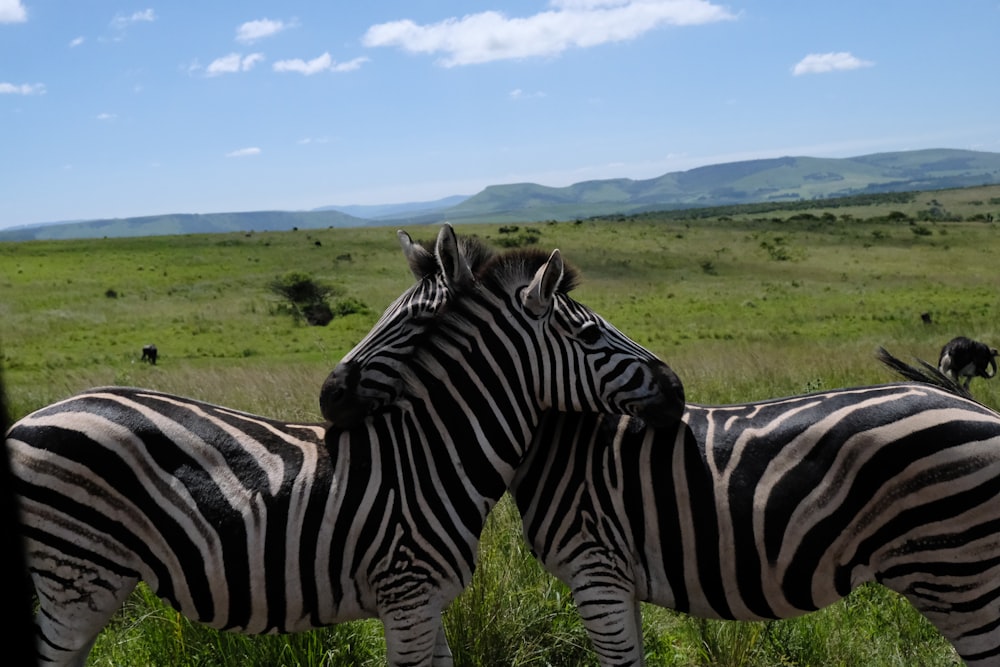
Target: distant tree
x: 300, y: 288
x: 304, y: 296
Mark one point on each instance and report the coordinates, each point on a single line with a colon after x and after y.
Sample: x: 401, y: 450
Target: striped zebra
x: 773, y: 509
x: 253, y: 525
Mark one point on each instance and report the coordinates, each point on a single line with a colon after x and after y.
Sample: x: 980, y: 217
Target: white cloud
x: 251, y: 31
x: 490, y: 35
x: 323, y: 63
x: 350, y: 65
x: 106, y: 116
x: 76, y: 42
x: 122, y: 21
x: 12, y: 11
x: 818, y: 63
x: 234, y: 62
x: 244, y: 152
x: 518, y: 94
x: 22, y: 89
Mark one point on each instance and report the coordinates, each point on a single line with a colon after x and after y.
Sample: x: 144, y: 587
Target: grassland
x: 743, y: 306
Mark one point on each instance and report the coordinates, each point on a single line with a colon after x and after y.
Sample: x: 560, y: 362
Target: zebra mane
x: 928, y: 374
x: 495, y: 268
x: 511, y: 265
x: 476, y: 251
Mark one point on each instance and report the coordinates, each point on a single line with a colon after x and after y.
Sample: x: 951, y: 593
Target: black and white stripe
x: 773, y: 509
x: 254, y: 525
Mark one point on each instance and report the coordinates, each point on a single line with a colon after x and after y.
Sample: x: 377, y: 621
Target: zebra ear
x: 537, y: 297
x: 421, y: 262
x: 451, y: 259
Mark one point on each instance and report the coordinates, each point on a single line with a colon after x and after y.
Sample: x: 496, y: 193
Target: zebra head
x: 504, y: 325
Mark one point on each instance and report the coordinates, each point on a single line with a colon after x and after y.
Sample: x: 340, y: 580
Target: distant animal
x: 926, y: 318
x: 149, y: 353
x: 963, y: 359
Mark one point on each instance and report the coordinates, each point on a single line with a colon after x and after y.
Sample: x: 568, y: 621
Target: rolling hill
x: 752, y: 181
x: 785, y: 179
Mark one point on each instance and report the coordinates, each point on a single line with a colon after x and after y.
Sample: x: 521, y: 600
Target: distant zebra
x: 253, y: 525
x: 773, y: 509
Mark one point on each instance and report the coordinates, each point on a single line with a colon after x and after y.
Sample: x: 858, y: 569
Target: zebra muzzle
x: 668, y: 407
x: 339, y: 400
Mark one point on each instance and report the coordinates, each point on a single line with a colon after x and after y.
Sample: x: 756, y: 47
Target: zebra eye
x: 590, y: 333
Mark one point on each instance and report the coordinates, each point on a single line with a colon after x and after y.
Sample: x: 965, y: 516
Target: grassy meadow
x: 742, y: 307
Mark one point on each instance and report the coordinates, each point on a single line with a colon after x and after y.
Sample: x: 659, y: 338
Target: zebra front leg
x: 613, y: 620
x: 970, y: 625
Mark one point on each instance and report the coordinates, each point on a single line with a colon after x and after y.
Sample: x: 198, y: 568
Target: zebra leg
x: 415, y: 637
x: 976, y: 639
x: 613, y: 620
x: 442, y: 652
x: 75, y: 601
x: 967, y: 614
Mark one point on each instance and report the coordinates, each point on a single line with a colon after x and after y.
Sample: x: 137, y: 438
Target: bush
x: 307, y: 297
x: 300, y: 289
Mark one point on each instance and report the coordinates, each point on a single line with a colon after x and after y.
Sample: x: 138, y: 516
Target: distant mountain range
x: 733, y: 183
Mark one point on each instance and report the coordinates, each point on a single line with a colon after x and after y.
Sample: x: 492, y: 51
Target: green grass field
x: 742, y: 308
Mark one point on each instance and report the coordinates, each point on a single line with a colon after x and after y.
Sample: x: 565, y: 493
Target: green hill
x: 182, y: 223
x: 753, y: 181
x: 778, y: 180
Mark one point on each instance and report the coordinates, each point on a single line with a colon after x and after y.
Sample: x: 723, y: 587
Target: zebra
x: 254, y: 525
x: 773, y: 509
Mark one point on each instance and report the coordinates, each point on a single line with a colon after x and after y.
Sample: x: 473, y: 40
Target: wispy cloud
x: 518, y: 94
x: 122, y: 21
x: 234, y: 62
x: 819, y: 63
x: 323, y: 63
x: 244, y: 152
x: 106, y: 116
x: 490, y: 35
x: 251, y: 31
x: 22, y: 89
x: 76, y: 42
x: 12, y: 11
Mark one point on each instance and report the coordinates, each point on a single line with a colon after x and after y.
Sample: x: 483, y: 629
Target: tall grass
x: 738, y: 320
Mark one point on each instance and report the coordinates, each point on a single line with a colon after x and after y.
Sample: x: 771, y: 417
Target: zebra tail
x: 928, y: 374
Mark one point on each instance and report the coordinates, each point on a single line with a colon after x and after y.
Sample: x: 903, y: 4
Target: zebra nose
x: 338, y: 400
x: 668, y: 409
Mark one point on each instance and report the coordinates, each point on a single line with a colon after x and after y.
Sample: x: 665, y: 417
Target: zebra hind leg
x: 71, y: 616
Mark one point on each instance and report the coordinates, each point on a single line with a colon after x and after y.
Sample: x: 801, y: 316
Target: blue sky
x: 136, y: 107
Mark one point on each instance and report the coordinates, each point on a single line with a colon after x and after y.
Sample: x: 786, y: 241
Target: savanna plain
x: 744, y: 304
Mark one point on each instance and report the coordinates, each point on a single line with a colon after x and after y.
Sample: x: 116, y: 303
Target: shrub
x: 304, y: 296
x: 300, y: 289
